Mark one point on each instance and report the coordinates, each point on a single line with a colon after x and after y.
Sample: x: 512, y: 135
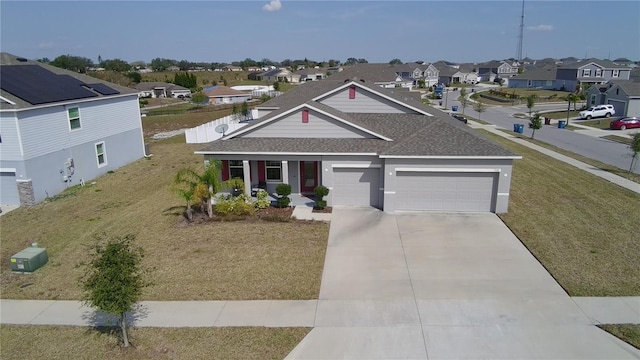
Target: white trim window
x: 616, y: 73
x: 73, y: 114
x: 586, y: 73
x: 236, y: 169
x: 273, y: 170
x: 101, y: 154
x: 598, y: 72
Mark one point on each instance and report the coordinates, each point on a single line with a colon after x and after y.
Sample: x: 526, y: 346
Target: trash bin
x: 454, y: 108
x: 562, y: 124
x: 520, y: 128
x: 515, y: 127
x: 547, y: 121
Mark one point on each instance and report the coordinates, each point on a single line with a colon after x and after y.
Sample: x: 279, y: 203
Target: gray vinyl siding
x: 503, y: 177
x: 319, y: 126
x: 10, y: 145
x: 566, y: 74
x: 46, y: 130
x: 623, y: 105
x: 44, y: 170
x: 364, y: 102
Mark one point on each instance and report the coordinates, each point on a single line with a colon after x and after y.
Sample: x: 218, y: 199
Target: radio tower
x: 520, y: 36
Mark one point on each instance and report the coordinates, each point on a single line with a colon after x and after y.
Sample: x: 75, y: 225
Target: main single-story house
x: 219, y: 94
x: 370, y: 146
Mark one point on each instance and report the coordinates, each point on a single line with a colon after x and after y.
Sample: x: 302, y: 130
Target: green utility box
x: 29, y: 259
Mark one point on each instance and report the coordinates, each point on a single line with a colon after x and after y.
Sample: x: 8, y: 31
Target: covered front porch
x: 303, y: 175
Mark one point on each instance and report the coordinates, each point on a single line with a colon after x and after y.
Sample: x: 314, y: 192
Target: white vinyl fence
x: 207, y: 132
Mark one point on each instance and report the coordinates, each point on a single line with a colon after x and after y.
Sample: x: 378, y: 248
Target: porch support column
x: 246, y: 172
x: 285, y: 171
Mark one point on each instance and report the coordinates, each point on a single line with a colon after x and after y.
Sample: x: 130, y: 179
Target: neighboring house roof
x: 148, y: 86
x: 546, y: 73
x: 220, y: 90
x: 467, y: 68
x: 25, y: 83
x: 417, y: 134
x: 448, y: 71
x: 374, y: 73
x: 631, y: 88
x: 493, y: 64
x: 311, y: 71
x: 603, y: 63
x: 274, y: 72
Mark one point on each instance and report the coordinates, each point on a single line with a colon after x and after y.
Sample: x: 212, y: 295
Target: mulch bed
x: 326, y: 210
x: 268, y: 214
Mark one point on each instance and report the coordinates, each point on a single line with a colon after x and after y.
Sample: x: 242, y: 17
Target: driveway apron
x: 443, y: 286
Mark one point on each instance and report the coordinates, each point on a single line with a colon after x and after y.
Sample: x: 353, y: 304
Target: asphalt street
x: 606, y: 151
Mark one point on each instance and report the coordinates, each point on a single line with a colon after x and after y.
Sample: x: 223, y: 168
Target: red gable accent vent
x: 352, y: 92
x: 305, y: 116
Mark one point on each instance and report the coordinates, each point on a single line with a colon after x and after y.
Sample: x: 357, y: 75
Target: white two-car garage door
x: 356, y: 186
x: 445, y: 191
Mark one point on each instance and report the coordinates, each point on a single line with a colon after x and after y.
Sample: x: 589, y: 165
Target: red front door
x: 308, y: 176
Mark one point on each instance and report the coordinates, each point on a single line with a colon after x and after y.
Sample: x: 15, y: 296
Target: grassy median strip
x: 629, y: 333
x: 582, y: 228
x: 71, y: 342
x: 218, y: 260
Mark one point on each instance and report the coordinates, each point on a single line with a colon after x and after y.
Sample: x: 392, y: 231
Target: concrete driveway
x: 443, y: 286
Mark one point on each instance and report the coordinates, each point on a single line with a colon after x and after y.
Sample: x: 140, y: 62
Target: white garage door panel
x: 356, y: 186
x: 445, y: 191
x: 8, y: 189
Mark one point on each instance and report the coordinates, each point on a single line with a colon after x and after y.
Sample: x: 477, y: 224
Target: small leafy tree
x: 321, y: 191
x: 114, y: 278
x: 635, y: 150
x: 531, y: 102
x: 535, y: 123
x: 479, y: 107
x: 571, y: 98
x: 244, y: 109
x: 283, y: 191
x: 464, y: 102
x: 276, y: 86
x: 199, y: 97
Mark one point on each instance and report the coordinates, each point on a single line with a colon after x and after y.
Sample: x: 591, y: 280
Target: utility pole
x: 520, y: 36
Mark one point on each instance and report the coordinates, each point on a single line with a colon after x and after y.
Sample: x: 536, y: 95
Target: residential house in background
x: 162, y: 90
x: 60, y: 128
x: 219, y: 94
x: 281, y: 75
x: 311, y: 74
x: 488, y: 71
x: 624, y: 95
x: 535, y: 78
x: 585, y: 73
x: 371, y: 146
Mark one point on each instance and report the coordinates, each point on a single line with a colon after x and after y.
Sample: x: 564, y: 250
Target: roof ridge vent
x: 21, y: 59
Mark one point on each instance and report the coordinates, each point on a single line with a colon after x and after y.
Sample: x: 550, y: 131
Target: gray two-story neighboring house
x: 60, y: 128
x: 589, y: 72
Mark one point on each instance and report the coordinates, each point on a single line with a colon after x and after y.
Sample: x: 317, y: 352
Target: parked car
x: 598, y: 111
x: 460, y: 117
x: 625, y: 123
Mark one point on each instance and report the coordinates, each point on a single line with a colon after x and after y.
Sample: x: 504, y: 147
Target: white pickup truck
x: 598, y: 111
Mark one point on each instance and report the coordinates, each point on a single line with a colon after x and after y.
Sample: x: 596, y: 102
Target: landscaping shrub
x: 321, y: 192
x: 263, y: 201
x: 234, y: 205
x: 283, y: 191
x: 236, y: 184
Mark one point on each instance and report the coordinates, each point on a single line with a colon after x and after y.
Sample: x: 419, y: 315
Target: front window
x: 101, y: 154
x: 274, y: 170
x: 74, y: 118
x: 236, y: 169
x: 598, y: 72
x: 616, y: 73
x: 593, y: 100
x: 586, y: 72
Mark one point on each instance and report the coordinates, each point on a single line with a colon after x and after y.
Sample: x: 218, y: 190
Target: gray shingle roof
x: 631, y: 88
x: 148, y: 86
x: 7, y: 59
x: 546, y: 73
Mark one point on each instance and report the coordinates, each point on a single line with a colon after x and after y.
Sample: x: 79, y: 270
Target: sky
x: 378, y: 31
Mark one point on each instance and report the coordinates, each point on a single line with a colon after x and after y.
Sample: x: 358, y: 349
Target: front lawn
x: 71, y: 342
x: 597, y: 123
x: 221, y: 260
x: 582, y: 228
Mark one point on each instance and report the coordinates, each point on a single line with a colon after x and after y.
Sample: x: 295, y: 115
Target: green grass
x: 229, y: 260
x: 629, y: 333
x: 561, y: 115
x: 598, y: 123
x: 620, y: 139
x: 71, y: 342
x: 600, y: 165
x: 583, y: 229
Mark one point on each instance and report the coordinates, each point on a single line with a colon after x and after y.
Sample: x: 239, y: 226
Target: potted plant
x: 236, y: 185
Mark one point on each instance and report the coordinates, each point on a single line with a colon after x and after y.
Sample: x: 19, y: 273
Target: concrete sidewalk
x: 267, y: 313
x: 618, y: 180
